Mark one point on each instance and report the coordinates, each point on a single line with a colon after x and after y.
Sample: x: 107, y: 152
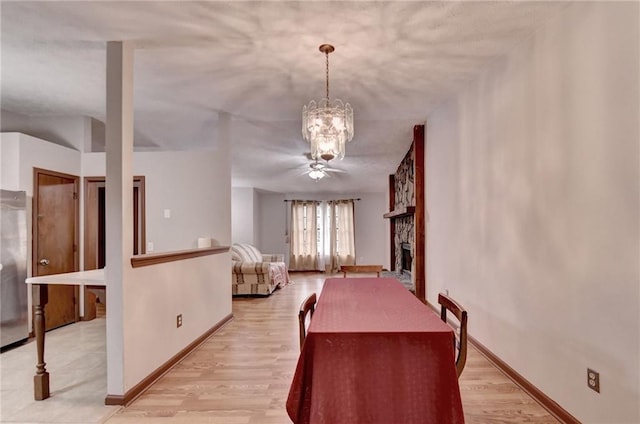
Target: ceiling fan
x: 318, y: 170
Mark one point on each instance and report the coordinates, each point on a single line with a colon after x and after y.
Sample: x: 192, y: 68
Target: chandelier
x: 327, y: 125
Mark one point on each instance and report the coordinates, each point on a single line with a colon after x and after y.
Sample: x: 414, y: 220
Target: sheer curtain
x: 303, y: 255
x: 341, y: 233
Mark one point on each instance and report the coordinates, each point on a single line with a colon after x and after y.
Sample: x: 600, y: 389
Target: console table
x: 40, y: 298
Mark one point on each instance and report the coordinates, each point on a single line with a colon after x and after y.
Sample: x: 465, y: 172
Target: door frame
x: 91, y: 210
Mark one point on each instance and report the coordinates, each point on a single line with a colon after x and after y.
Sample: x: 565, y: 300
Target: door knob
x: 44, y: 262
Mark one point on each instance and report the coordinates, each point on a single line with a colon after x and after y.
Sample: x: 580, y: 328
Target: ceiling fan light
x: 316, y: 174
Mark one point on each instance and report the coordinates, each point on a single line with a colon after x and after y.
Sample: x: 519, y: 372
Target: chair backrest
x: 360, y: 268
x: 459, y: 328
x: 307, y: 307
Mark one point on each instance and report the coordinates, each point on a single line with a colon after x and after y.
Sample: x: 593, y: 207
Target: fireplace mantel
x: 400, y: 213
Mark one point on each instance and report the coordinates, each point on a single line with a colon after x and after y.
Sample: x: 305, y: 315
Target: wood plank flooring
x: 241, y: 374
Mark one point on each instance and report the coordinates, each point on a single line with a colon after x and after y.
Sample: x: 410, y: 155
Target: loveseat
x: 254, y: 273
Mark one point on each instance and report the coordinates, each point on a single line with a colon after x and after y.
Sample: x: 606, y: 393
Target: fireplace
x: 405, y: 258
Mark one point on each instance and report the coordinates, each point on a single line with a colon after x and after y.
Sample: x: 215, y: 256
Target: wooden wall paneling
x: 419, y: 217
x: 392, y: 225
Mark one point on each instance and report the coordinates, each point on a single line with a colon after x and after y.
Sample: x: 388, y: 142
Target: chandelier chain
x: 326, y: 55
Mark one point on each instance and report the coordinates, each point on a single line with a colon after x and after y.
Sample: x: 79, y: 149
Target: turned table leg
x: 41, y: 379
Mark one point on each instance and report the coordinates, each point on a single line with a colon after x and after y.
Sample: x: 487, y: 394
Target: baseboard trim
x: 114, y: 400
x: 131, y: 395
x: 545, y: 401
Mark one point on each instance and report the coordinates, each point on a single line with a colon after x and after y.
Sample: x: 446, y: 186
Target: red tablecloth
x: 375, y: 354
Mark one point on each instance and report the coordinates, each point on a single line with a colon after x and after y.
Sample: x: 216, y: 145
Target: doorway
x: 95, y: 219
x: 55, y: 241
x: 95, y: 233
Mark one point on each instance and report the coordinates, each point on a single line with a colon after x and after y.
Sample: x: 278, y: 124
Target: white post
x: 119, y: 204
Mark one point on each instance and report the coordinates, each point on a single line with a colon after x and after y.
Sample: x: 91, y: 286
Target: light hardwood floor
x: 241, y: 374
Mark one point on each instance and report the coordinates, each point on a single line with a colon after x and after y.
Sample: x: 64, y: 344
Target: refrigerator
x: 13, y: 267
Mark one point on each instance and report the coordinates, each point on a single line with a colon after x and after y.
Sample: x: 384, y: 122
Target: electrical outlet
x: 179, y: 321
x: 593, y: 380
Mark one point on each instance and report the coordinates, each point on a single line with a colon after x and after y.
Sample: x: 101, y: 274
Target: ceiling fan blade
x: 335, y: 170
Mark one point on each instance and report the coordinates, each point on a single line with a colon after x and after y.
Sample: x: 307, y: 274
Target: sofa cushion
x: 244, y: 252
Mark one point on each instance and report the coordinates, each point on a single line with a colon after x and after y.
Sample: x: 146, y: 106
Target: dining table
x: 374, y: 353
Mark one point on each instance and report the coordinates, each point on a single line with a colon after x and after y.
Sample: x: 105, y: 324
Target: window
x: 322, y: 233
x: 303, y: 253
x: 342, y: 250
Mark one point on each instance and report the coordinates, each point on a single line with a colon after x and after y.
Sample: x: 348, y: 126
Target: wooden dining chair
x: 360, y: 269
x: 307, y: 307
x: 459, y: 328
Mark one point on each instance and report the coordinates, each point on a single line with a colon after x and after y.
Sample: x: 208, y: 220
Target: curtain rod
x: 330, y: 200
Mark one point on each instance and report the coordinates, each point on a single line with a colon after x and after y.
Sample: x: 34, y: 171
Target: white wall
x: 243, y: 212
x: 533, y: 209
x: 186, y: 184
x: 10, y: 161
x: 371, y: 230
x: 257, y: 210
x: 197, y: 193
x: 272, y: 225
x: 198, y: 288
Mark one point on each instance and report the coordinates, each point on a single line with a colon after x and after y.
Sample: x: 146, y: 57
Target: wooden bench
x: 360, y: 269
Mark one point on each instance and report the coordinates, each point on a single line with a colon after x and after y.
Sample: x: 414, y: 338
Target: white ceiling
x: 259, y: 62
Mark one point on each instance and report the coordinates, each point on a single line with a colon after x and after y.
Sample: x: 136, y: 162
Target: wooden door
x: 55, y: 241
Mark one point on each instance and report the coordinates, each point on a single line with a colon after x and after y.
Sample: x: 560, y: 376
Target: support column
x: 119, y: 206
